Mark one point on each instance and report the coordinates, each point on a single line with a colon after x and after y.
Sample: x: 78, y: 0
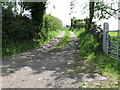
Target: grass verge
x: 14, y: 48
x: 94, y: 61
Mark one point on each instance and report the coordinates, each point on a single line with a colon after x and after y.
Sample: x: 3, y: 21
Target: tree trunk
x: 91, y: 14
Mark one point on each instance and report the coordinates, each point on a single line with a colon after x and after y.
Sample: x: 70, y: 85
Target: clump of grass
x: 65, y: 39
x: 94, y: 57
x: 14, y: 48
x: 87, y: 42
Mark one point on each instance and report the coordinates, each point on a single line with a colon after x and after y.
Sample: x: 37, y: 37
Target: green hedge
x: 51, y: 23
x: 19, y: 34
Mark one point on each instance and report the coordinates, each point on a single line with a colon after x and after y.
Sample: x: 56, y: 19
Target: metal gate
x: 113, y: 44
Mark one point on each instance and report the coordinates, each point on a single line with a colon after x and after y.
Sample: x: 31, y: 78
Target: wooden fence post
x: 105, y: 37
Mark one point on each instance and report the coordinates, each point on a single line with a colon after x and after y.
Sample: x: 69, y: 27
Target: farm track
x: 40, y: 68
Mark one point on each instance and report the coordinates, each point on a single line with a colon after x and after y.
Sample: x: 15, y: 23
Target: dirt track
x: 40, y: 68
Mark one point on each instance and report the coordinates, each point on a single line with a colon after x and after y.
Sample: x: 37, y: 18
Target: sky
x: 62, y: 11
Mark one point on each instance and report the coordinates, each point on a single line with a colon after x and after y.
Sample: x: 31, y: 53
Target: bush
x: 78, y: 23
x: 17, y: 29
x: 19, y: 33
x: 50, y: 23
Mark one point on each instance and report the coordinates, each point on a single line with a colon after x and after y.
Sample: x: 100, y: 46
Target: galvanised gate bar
x: 111, y: 42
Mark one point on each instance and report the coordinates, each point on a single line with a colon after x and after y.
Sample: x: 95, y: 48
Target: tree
x: 91, y: 14
x: 37, y: 12
x: 21, y: 7
x: 100, y: 10
x: 72, y: 6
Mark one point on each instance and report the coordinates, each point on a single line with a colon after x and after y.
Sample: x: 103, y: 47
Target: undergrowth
x: 96, y: 61
x: 13, y: 48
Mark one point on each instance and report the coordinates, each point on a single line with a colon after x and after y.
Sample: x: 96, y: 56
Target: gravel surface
x: 40, y: 68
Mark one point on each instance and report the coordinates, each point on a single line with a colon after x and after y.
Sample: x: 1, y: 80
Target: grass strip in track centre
x: 63, y: 42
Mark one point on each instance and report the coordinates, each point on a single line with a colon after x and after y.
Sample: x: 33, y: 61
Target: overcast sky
x: 62, y: 11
